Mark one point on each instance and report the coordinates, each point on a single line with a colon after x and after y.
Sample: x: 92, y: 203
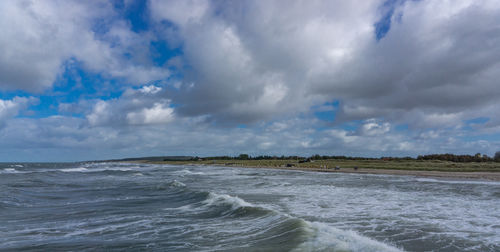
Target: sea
x: 148, y: 207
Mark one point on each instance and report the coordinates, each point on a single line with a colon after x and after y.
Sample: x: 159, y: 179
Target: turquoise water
x: 112, y: 206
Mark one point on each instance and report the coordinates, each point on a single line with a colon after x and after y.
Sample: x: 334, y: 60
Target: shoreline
x: 370, y: 167
x: 490, y: 176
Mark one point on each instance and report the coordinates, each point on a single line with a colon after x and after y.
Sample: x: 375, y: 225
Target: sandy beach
x: 447, y: 170
x: 494, y: 176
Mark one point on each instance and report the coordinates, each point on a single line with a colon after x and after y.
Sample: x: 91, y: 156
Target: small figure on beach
x: 355, y: 168
x: 337, y: 167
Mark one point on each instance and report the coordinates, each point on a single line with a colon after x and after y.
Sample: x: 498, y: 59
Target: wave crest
x: 79, y: 169
x: 9, y: 170
x: 176, y: 183
x: 214, y: 199
x: 327, y: 238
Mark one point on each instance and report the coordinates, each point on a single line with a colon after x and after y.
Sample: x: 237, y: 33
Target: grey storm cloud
x: 251, y: 67
x: 254, y: 60
x: 438, y: 58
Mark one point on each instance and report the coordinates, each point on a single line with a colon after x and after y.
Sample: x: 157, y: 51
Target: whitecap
x: 176, y: 183
x: 473, y: 182
x: 215, y: 199
x: 327, y: 238
x: 188, y: 172
x: 10, y: 170
x: 79, y: 169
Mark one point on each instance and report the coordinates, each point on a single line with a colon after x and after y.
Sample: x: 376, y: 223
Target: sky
x: 87, y: 80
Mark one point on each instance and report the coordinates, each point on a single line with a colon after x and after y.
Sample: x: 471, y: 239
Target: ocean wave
x: 176, y: 183
x: 10, y: 170
x: 214, y: 199
x: 188, y: 172
x: 311, y: 236
x: 72, y: 169
x: 78, y: 169
x: 108, y: 228
x: 327, y: 238
x: 115, y: 169
x: 214, y: 205
x: 169, y: 185
x: 319, y: 236
x: 89, y: 169
x: 471, y: 182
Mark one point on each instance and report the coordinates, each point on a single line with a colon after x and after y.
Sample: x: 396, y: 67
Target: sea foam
x: 79, y: 169
x: 214, y: 199
x: 9, y: 170
x: 328, y: 238
x: 176, y: 183
x: 446, y: 181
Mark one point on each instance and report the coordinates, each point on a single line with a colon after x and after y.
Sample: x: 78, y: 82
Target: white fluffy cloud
x: 135, y: 107
x: 159, y: 113
x: 39, y: 37
x: 11, y: 108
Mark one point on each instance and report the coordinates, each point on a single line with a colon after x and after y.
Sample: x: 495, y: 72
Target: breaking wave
x: 271, y: 229
x: 79, y: 169
x: 9, y: 170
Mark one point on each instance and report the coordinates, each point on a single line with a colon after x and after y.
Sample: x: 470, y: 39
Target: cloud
x: 101, y: 114
x: 142, y: 106
x: 437, y: 58
x: 266, y: 67
x: 42, y: 36
x: 159, y: 113
x: 75, y: 139
x: 372, y: 128
x: 252, y: 67
x: 11, y: 108
x: 180, y: 12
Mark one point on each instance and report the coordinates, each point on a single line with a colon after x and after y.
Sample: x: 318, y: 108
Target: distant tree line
x: 443, y: 157
x: 460, y: 158
x: 282, y: 157
x: 248, y: 157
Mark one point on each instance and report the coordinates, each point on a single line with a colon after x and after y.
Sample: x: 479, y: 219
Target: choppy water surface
x: 112, y: 206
